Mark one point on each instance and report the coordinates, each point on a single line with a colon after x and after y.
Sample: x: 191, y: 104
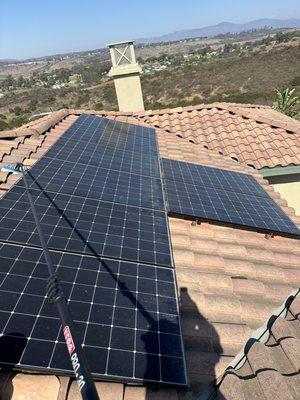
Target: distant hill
x: 8, y: 60
x: 222, y: 28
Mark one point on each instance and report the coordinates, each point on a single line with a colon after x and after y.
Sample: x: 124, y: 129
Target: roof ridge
x: 243, y: 110
x: 261, y: 335
x: 248, y: 114
x: 198, y: 107
x: 246, y: 111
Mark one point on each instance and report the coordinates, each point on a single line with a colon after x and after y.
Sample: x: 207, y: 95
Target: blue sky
x: 33, y: 28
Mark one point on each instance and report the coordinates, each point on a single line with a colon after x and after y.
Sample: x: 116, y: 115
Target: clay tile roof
x: 229, y: 280
x: 239, y: 130
x: 270, y: 366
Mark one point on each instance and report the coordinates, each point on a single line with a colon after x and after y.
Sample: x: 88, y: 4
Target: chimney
x: 126, y: 73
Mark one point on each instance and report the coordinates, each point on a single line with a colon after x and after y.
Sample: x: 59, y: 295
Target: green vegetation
x: 286, y: 102
x: 242, y: 79
x: 209, y: 53
x: 83, y: 98
x: 3, y: 125
x: 98, y: 106
x: 63, y: 77
x: 245, y: 71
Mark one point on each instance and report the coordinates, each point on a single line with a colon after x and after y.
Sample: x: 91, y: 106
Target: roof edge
x: 262, y: 335
x: 203, y: 106
x: 280, y: 171
x: 36, y: 127
x: 43, y: 124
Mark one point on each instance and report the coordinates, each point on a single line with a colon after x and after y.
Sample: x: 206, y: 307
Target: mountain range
x: 222, y: 28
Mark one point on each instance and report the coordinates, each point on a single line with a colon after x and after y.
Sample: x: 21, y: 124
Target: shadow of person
x: 163, y: 337
x: 201, y: 344
x: 12, y: 346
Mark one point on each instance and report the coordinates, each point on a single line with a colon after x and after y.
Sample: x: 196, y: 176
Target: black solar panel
x: 219, y: 195
x: 109, y: 144
x: 81, y: 152
x: 126, y: 316
x: 89, y: 181
x: 90, y: 209
x: 86, y: 225
x: 199, y: 175
x: 98, y: 194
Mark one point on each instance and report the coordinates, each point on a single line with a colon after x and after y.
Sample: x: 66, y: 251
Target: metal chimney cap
x: 119, y: 43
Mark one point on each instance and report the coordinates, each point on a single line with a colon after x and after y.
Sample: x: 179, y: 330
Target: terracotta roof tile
x: 269, y: 364
x: 248, y: 131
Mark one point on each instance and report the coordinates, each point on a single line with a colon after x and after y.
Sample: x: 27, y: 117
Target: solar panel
x: 109, y: 144
x: 220, y: 195
x: 199, y: 175
x: 85, y: 225
x: 89, y: 181
x: 126, y: 316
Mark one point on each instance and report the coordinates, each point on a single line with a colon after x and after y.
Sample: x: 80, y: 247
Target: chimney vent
x: 126, y: 73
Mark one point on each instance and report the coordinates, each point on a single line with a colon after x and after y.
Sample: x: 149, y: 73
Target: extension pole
x: 56, y: 296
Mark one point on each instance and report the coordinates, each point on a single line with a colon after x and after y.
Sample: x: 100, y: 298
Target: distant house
x: 75, y: 79
x: 57, y: 86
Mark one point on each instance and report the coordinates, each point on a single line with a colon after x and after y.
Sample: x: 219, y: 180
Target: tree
x: 3, y: 125
x: 17, y: 110
x: 21, y: 82
x: 280, y: 37
x: 8, y: 83
x: 32, y: 105
x: 83, y: 98
x: 286, y: 103
x: 18, y: 121
x: 227, y: 48
x: 98, y: 106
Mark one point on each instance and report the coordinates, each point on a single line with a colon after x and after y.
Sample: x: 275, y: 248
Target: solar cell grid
x: 87, y: 153
x: 87, y: 226
x: 103, y: 144
x: 200, y: 175
x: 112, y: 134
x: 219, y: 195
x: 95, y: 182
x: 122, y: 311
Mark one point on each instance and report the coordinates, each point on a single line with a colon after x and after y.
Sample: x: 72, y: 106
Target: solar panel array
x: 220, y: 195
x: 126, y: 316
x: 98, y: 194
x: 90, y: 209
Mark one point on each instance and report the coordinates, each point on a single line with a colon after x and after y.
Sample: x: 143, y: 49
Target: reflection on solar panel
x: 126, y: 315
x: 98, y: 192
x: 109, y: 144
x: 219, y: 195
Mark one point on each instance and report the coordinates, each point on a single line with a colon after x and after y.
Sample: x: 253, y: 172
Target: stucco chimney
x: 126, y: 73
